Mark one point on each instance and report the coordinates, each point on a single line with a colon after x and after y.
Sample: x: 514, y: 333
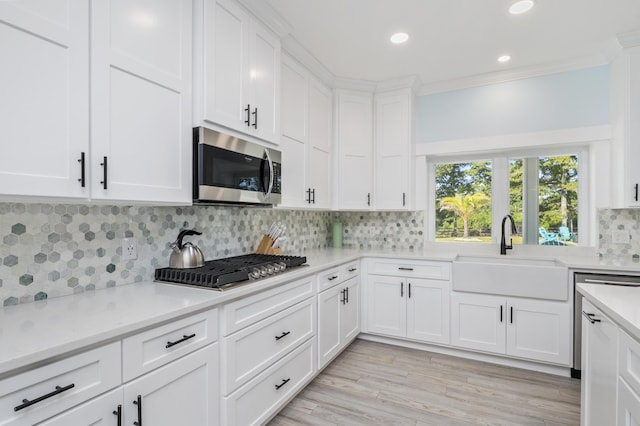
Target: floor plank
x: 376, y: 384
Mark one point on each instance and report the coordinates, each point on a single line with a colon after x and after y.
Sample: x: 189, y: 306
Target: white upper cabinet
x: 625, y: 108
x: 141, y: 100
x: 306, y: 107
x: 44, y: 106
x: 394, y: 164
x: 240, y: 72
x: 354, y: 150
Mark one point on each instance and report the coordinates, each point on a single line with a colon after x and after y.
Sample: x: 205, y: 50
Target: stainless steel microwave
x: 229, y: 170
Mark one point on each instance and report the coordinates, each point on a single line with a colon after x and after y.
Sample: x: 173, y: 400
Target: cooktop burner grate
x: 222, y: 272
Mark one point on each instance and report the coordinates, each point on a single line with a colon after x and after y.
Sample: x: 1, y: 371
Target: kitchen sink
x: 511, y: 276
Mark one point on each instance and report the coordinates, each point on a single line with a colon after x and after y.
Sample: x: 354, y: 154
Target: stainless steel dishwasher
x: 589, y: 278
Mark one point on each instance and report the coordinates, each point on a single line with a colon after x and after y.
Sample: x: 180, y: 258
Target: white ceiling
x: 453, y: 40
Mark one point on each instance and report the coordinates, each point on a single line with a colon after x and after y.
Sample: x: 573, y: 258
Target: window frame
x: 500, y: 187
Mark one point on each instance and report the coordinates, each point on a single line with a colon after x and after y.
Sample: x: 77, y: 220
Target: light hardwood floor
x: 377, y: 384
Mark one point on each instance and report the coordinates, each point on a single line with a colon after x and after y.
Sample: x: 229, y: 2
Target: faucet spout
x: 503, y: 243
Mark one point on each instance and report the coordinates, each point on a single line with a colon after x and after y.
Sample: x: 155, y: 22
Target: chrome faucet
x: 503, y: 244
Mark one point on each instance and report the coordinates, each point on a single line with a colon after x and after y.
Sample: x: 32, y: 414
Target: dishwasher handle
x: 610, y: 282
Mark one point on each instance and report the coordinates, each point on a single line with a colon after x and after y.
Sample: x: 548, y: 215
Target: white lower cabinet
x: 104, y: 410
x: 338, y: 318
x: 263, y: 396
x: 184, y: 392
x: 538, y: 330
x: 628, y: 405
x: 415, y: 308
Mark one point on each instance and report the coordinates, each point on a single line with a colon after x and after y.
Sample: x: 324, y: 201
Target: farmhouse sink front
x: 511, y: 276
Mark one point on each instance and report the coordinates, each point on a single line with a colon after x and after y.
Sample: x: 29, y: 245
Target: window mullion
x: 499, y: 195
x: 530, y: 200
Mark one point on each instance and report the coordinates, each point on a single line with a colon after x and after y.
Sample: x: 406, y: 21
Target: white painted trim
x: 469, y: 354
x: 515, y: 142
x: 291, y: 46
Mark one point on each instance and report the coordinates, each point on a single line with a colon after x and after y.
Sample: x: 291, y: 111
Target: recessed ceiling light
x: 521, y: 6
x: 399, y: 38
x: 504, y: 58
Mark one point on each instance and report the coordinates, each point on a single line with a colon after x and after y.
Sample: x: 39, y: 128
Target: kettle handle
x: 183, y: 234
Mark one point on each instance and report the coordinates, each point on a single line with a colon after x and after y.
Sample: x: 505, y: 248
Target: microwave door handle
x: 266, y: 153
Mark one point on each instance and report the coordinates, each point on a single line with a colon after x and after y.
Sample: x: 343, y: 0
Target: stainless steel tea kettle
x: 186, y: 255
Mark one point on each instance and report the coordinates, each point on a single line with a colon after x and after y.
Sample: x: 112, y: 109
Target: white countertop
x: 620, y: 303
x: 34, y: 333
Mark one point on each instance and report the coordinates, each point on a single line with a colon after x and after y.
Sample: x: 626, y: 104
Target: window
x: 541, y: 193
x: 463, y: 202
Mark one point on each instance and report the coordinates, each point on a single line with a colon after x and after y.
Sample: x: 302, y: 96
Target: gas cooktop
x: 221, y: 274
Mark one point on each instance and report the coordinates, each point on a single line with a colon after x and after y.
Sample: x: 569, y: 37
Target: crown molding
x: 629, y: 39
x: 353, y: 84
x: 298, y: 52
x: 412, y: 82
x: 511, y: 75
x: 268, y: 16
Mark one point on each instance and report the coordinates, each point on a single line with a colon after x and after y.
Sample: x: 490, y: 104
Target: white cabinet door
x: 386, y: 305
x: 44, y: 82
x: 477, y: 322
x: 599, y: 367
x: 184, y: 392
x: 350, y: 315
x: 393, y: 145
x: 428, y: 310
x: 539, y: 330
x: 141, y: 100
x: 329, y: 324
x: 628, y: 411
x: 354, y: 147
x: 104, y: 410
x: 319, y: 146
x: 264, y: 79
x: 226, y: 52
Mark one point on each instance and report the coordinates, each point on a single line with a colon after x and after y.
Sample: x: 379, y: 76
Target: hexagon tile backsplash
x: 51, y: 250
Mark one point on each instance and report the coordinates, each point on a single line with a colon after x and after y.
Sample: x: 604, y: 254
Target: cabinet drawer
x: 629, y: 360
x: 248, y: 310
x: 350, y: 270
x: 148, y: 350
x: 84, y: 376
x: 253, y: 349
x: 329, y: 278
x: 411, y: 268
x: 261, y: 397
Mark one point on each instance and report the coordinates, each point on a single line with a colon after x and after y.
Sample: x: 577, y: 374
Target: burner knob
x: 254, y: 274
x: 271, y: 269
x: 264, y: 271
x: 283, y: 266
x: 277, y: 267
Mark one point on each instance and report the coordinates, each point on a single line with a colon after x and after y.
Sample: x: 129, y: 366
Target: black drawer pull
x: 118, y: 413
x: 27, y: 403
x: 286, y: 333
x: 402, y: 268
x: 284, y: 382
x: 591, y: 318
x: 138, y: 402
x: 184, y: 337
x: 332, y: 278
x: 353, y: 269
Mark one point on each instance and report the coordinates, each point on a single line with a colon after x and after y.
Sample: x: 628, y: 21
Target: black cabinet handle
x: 353, y: 269
x: 346, y: 291
x: 511, y: 314
x: 500, y: 313
x: 343, y: 296
x: 332, y: 278
x: 248, y: 111
x: 309, y: 195
x: 401, y: 289
x: 82, y: 174
x: 401, y: 268
x: 285, y: 333
x: 636, y: 196
x: 284, y: 382
x: 184, y: 338
x: 409, y: 291
x: 118, y: 413
x: 104, y: 173
x: 138, y: 402
x: 313, y: 192
x: 255, y: 118
x: 369, y: 199
x: 591, y: 318
x: 27, y: 403
x: 404, y: 199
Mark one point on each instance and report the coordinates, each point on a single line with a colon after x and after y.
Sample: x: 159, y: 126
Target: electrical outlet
x: 620, y: 236
x: 129, y: 249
